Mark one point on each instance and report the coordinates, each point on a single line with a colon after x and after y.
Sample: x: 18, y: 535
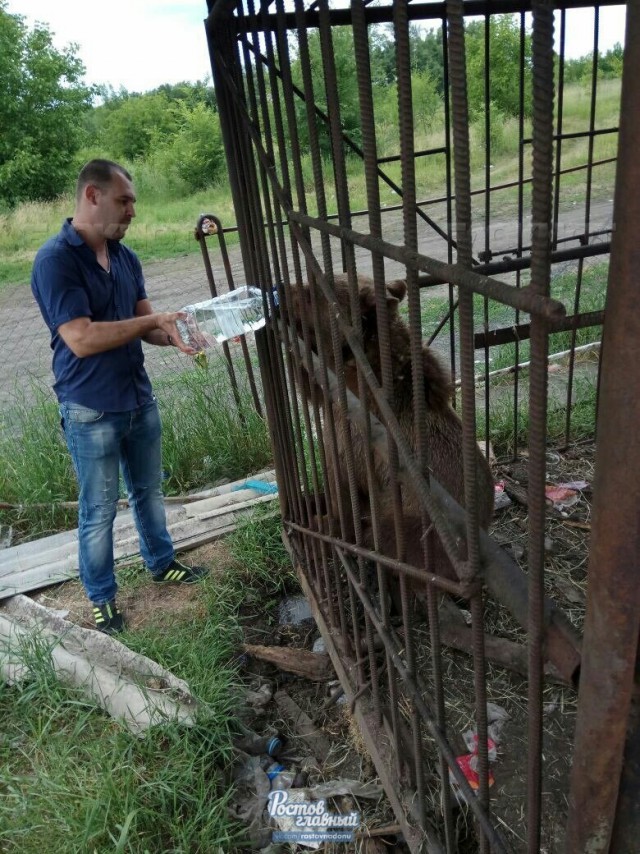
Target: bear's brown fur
x: 442, y: 424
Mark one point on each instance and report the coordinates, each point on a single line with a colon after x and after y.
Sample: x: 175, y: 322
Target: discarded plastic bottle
x: 257, y: 745
x: 221, y: 318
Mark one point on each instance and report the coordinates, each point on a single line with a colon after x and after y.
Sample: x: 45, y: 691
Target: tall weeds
x: 206, y: 437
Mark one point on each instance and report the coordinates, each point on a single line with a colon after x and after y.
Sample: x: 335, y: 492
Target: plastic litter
x: 501, y: 499
x: 468, y: 762
x: 561, y: 496
x: 259, y: 486
x: 256, y: 745
x: 293, y: 611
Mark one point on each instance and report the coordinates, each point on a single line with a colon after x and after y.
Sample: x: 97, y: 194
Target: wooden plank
x: 30, y: 554
x: 55, y: 559
x: 223, y: 489
x: 228, y: 499
x: 230, y: 509
x: 58, y: 546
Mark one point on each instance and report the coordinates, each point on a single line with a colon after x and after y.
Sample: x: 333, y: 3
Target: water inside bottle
x: 222, y: 318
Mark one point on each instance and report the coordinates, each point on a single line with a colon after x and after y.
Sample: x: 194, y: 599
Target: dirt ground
x: 566, y: 567
x: 145, y: 603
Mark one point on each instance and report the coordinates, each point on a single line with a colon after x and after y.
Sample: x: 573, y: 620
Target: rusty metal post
x: 601, y: 780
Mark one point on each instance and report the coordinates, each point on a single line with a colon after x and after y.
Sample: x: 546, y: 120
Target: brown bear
x: 443, y: 425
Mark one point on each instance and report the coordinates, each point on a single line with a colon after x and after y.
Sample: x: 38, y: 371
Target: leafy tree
x: 42, y: 102
x: 196, y: 150
x: 191, y: 94
x: 129, y: 128
x: 427, y: 100
x: 504, y: 63
x: 427, y: 54
x: 580, y: 70
x: 610, y: 65
x: 345, y: 63
x: 382, y: 55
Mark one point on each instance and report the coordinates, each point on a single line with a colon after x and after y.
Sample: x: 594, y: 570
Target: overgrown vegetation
x: 170, y: 138
x: 73, y: 780
x: 205, y: 437
x: 257, y: 546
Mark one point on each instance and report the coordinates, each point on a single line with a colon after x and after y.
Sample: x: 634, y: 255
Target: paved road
x: 24, y: 343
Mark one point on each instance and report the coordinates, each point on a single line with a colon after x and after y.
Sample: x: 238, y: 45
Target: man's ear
x: 90, y: 193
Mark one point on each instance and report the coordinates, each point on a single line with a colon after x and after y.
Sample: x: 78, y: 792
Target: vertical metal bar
x: 521, y: 118
x: 349, y: 264
x: 543, y: 84
x: 369, y: 146
x: 592, y: 120
x: 572, y: 355
x: 467, y: 373
x: 448, y: 136
x: 559, y: 125
x: 612, y: 623
x: 274, y: 370
x: 487, y: 215
x: 407, y: 160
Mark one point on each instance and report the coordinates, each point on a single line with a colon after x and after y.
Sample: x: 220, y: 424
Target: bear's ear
x: 396, y: 291
x: 397, y: 288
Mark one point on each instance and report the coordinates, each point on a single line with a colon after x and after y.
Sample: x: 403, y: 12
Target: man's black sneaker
x: 108, y: 618
x: 178, y: 573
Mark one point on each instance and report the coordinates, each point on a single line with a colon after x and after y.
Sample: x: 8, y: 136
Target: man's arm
x: 155, y: 336
x: 86, y: 338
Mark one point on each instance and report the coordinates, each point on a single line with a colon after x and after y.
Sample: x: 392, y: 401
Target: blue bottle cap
x: 274, y: 746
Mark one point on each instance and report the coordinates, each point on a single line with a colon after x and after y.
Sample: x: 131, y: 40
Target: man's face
x: 115, y: 206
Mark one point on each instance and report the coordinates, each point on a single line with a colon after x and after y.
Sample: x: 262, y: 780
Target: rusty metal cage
x: 386, y: 499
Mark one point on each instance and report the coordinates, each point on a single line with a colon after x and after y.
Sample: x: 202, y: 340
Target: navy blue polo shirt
x: 68, y: 282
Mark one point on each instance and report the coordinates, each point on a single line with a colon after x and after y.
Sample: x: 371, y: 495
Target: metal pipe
x: 612, y: 624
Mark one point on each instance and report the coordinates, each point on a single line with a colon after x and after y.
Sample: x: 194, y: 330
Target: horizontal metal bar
x: 510, y: 334
x: 396, y: 157
x: 511, y: 265
x: 520, y: 298
x: 462, y: 589
x: 415, y: 12
x: 578, y: 134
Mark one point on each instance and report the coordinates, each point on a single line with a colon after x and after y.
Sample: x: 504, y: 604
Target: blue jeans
x: 100, y: 444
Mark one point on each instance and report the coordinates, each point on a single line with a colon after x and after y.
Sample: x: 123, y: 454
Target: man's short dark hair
x: 99, y: 172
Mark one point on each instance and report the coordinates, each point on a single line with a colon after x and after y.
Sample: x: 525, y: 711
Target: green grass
x: 75, y: 781
x: 503, y: 412
x: 164, y: 224
x: 205, y: 438
x: 563, y: 287
x: 257, y: 546
x: 163, y: 228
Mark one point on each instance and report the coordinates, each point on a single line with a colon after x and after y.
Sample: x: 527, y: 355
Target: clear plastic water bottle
x: 222, y: 318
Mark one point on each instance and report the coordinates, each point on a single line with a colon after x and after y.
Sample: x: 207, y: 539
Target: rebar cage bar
x: 346, y: 204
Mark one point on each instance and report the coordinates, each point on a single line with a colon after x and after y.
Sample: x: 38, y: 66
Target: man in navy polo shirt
x: 90, y: 290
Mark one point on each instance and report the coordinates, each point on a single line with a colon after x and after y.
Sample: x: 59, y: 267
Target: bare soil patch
x: 144, y: 603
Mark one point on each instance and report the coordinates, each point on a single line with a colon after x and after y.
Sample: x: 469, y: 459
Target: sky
x: 140, y: 44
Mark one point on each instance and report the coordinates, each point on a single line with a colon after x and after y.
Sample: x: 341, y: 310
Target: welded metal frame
x: 283, y: 243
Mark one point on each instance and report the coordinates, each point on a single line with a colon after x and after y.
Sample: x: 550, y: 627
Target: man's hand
x: 167, y: 324
x: 87, y: 338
